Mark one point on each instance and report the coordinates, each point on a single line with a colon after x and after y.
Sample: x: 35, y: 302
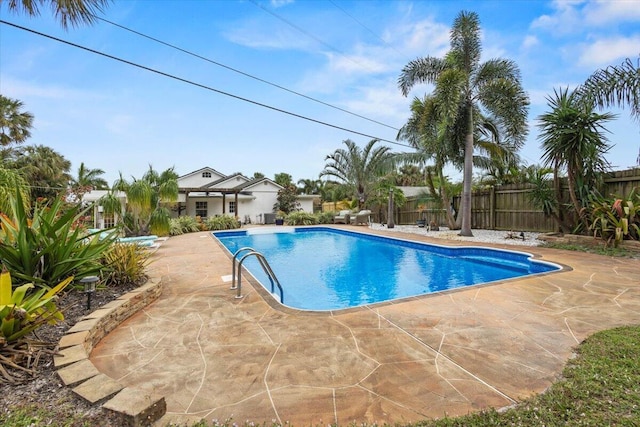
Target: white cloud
x: 574, y: 15
x: 603, y: 12
x: 279, y: 3
x: 608, y: 51
x: 529, y: 42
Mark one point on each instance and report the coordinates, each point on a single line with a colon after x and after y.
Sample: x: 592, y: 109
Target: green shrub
x: 23, y: 311
x: 301, y: 218
x: 224, y: 222
x: 326, y: 217
x: 49, y: 247
x: 125, y: 264
x: 183, y: 224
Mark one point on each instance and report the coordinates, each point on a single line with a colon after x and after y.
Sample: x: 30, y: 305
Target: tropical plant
x: 182, y: 225
x: 301, y: 218
x: 46, y: 171
x: 359, y: 169
x: 615, y: 220
x: 125, y: 264
x: 283, y: 179
x: 87, y: 180
x: 68, y: 12
x: 463, y: 85
x: 223, y: 222
x: 572, y: 140
x: 49, y: 246
x: 15, y: 124
x: 23, y: 310
x: 147, y: 198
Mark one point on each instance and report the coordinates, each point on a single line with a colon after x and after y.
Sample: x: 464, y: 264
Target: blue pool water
x: 328, y: 269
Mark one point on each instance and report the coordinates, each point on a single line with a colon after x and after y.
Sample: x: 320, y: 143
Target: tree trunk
x: 465, y: 208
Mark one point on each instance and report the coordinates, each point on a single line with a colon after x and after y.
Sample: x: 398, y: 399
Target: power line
x: 242, y: 72
x: 308, y: 34
x: 200, y: 85
x: 365, y: 27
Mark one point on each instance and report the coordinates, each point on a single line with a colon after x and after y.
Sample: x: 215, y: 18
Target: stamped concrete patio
x: 216, y: 357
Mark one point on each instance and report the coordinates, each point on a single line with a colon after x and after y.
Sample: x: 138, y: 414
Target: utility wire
x: 365, y: 27
x: 200, y: 85
x: 306, y: 33
x: 242, y: 72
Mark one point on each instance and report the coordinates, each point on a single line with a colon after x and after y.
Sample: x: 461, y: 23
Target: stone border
x: 131, y: 406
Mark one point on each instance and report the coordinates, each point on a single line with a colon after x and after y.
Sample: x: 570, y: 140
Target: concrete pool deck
x: 213, y: 356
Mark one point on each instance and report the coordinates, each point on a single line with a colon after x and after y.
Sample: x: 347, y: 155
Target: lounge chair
x: 343, y: 217
x: 362, y: 217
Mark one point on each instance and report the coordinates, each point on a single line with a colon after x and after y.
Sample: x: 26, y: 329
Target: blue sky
x: 349, y: 54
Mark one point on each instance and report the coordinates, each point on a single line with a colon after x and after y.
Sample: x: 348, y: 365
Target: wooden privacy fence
x: 509, y: 207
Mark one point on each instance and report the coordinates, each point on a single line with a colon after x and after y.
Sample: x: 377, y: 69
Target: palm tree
x: 15, y: 125
x: 409, y: 175
x: 10, y: 182
x: 145, y: 211
x: 87, y: 180
x: 309, y: 186
x: 615, y: 86
x: 427, y: 132
x: 72, y: 12
x: 572, y: 138
x: 462, y: 85
x: 358, y: 168
x: 46, y: 171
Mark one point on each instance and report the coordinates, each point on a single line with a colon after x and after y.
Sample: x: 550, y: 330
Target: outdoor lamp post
x: 390, y: 213
x: 89, y: 283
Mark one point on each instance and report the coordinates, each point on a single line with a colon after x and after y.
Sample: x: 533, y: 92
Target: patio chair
x: 362, y: 217
x: 343, y: 217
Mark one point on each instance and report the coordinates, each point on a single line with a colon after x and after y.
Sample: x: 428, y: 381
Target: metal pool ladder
x: 236, y: 267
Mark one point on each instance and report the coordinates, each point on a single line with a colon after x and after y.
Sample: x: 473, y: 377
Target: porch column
x: 237, y: 205
x: 224, y: 202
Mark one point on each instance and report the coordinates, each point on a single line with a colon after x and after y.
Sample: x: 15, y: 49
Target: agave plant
x: 49, y: 246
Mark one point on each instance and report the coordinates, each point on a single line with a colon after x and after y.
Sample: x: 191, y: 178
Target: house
x: 207, y: 192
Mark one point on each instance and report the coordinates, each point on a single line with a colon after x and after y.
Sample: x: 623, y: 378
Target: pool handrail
x: 265, y: 267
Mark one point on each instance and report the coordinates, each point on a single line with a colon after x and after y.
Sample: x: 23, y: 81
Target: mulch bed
x: 44, y: 389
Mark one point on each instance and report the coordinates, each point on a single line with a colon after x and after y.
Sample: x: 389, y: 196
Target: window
x: 109, y: 221
x: 232, y: 207
x: 201, y: 209
x: 206, y: 174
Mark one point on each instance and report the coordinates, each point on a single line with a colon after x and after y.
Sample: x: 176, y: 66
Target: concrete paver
x: 214, y: 356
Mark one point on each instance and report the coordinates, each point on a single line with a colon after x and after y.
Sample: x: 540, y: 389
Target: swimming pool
x: 323, y: 268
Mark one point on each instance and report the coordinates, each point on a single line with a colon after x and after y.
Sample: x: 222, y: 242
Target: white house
x: 207, y: 192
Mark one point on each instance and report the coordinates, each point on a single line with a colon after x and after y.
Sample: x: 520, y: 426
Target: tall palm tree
x: 87, y: 180
x: 463, y: 84
x: 359, y: 169
x: 572, y: 138
x: 15, y: 124
x: 68, y: 12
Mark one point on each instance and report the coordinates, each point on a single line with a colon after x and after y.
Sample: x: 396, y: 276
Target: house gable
x: 262, y: 185
x: 232, y: 181
x: 199, y: 178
